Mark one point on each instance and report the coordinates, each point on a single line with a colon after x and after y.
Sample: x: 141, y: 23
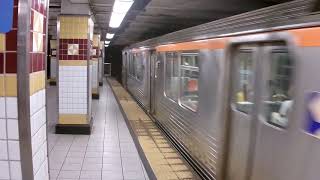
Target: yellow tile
x: 73, y: 63
x: 36, y: 82
x: 11, y: 85
x: 185, y: 175
x: 96, y: 40
x: 2, y: 91
x: 2, y: 42
x: 73, y: 119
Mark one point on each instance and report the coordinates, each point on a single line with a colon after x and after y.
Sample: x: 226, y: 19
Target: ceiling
x: 151, y: 18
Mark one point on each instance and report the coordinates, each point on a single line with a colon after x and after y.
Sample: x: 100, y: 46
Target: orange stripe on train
x: 306, y: 37
x: 219, y: 43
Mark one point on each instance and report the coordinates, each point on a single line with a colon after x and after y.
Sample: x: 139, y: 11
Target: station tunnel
x: 159, y: 89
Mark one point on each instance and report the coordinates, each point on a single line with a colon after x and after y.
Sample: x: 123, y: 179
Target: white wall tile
x: 15, y: 170
x: 4, y: 169
x: 2, y: 107
x: 11, y: 107
x: 14, y: 150
x: 3, y: 150
x: 3, y: 129
x: 13, y: 129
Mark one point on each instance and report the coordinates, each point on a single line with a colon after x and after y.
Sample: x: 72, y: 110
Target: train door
x: 242, y: 117
x: 153, y: 69
x: 125, y: 56
x: 260, y: 107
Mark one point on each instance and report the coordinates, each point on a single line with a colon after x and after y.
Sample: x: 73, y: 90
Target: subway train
x: 239, y: 97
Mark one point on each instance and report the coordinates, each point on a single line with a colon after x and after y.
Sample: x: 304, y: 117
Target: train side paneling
x: 199, y: 133
x: 279, y: 154
x: 139, y: 86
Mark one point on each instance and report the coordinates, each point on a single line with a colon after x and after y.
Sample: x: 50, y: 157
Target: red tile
x: 1, y: 63
x: 15, y: 17
x: 31, y: 20
x: 11, y: 63
x: 11, y: 40
x: 44, y: 48
x: 31, y: 42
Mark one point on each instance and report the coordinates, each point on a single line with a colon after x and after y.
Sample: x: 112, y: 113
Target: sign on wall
x: 6, y: 15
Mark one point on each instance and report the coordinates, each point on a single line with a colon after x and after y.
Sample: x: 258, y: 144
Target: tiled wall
x: 95, y: 61
x: 37, y: 89
x: 53, y: 60
x: 11, y: 164
x: 74, y: 46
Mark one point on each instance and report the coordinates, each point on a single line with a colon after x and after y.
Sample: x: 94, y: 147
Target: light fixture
x: 109, y: 36
x: 107, y: 42
x: 120, y: 9
x: 106, y: 45
x: 122, y: 6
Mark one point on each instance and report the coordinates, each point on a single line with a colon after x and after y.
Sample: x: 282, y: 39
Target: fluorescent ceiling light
x: 109, y: 36
x: 122, y: 6
x: 107, y: 42
x: 120, y: 9
x: 116, y: 19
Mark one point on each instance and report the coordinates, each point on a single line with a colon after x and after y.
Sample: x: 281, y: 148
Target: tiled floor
x: 107, y: 154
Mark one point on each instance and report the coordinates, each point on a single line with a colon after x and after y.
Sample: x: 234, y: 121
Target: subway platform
x: 119, y: 148
x: 108, y: 153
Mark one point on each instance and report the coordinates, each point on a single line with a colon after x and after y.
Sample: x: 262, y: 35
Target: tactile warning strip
x: 163, y: 158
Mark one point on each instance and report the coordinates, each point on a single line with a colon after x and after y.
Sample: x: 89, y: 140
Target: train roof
x: 294, y: 14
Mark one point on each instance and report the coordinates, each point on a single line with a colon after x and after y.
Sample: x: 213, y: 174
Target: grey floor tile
x: 91, y: 175
x: 69, y: 174
x: 134, y: 175
x: 71, y: 167
x: 112, y: 175
x: 105, y: 154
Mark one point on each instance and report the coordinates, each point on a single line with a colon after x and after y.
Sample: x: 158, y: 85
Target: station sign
x: 6, y: 15
x: 313, y: 114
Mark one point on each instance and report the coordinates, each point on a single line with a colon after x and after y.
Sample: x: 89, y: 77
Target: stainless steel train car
x: 239, y: 97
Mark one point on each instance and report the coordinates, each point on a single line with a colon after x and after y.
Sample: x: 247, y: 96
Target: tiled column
x: 95, y: 66
x: 53, y: 62
x: 75, y: 35
x: 101, y: 60
x: 23, y: 141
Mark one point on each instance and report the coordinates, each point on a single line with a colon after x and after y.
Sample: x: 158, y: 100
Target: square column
x: 23, y: 140
x: 75, y: 38
x: 53, y: 62
x: 101, y: 61
x: 95, y: 66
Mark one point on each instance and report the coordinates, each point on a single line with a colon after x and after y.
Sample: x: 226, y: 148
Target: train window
x: 189, y: 68
x: 134, y: 65
x: 244, y: 82
x: 140, y: 66
x: 279, y: 89
x: 172, y: 76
